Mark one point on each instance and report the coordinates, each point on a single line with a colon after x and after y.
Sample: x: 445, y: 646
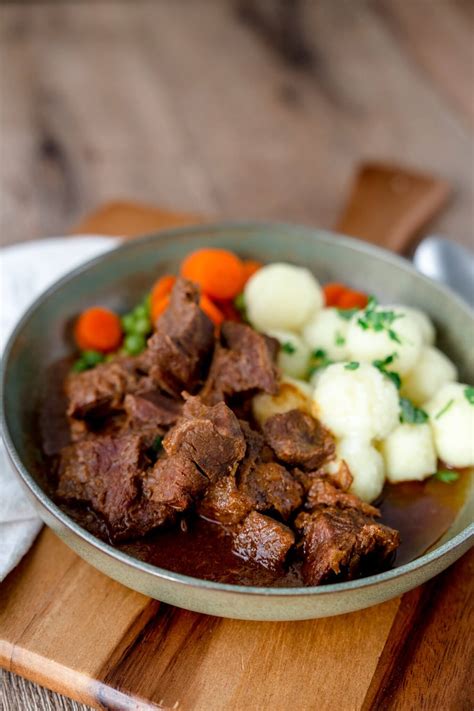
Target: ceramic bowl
x: 118, y: 279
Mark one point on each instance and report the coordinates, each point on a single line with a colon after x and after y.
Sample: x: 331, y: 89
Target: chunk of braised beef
x: 211, y: 437
x: 253, y: 448
x: 343, y: 543
x: 152, y: 408
x: 323, y: 493
x: 99, y: 392
x: 176, y: 482
x: 105, y: 473
x: 243, y: 362
x: 179, y: 352
x: 272, y: 489
x: 224, y: 503
x: 263, y: 540
x: 298, y: 439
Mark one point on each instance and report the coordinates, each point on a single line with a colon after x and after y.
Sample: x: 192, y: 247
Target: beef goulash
x: 165, y: 435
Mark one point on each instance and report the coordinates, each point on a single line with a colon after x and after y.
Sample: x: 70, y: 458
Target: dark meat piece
x: 210, y: 436
x: 343, y: 544
x: 224, y: 503
x: 179, y: 352
x: 254, y: 444
x: 100, y: 391
x: 299, y: 439
x: 105, y: 473
x: 176, y: 482
x: 272, y: 488
x: 152, y: 408
x: 263, y: 540
x: 323, y: 493
x: 243, y: 363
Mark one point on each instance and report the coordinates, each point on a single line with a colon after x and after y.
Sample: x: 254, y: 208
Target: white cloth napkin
x: 25, y: 271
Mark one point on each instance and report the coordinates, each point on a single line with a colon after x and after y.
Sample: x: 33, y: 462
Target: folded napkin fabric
x: 25, y: 271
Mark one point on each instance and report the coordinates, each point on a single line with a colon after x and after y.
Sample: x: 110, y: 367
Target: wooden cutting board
x: 68, y: 627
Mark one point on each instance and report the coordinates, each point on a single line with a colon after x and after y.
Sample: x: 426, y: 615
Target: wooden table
x: 204, y: 107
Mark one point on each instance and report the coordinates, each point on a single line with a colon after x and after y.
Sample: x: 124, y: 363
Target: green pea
x: 128, y: 323
x: 134, y: 343
x: 140, y: 311
x: 92, y: 358
x: 79, y: 365
x: 142, y: 326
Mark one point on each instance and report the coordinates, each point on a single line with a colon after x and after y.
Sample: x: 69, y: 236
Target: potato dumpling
x: 423, y: 321
x: 432, y: 370
x: 451, y: 413
x: 290, y: 397
x: 327, y: 331
x: 368, y: 344
x: 409, y: 453
x: 366, y: 465
x: 282, y: 296
x: 356, y: 400
x: 294, y: 354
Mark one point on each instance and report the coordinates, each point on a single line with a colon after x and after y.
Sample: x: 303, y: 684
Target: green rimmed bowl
x: 118, y: 279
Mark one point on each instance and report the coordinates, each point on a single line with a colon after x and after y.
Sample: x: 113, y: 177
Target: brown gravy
x: 421, y: 511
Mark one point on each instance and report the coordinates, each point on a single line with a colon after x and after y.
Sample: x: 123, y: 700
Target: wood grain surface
x: 215, y: 106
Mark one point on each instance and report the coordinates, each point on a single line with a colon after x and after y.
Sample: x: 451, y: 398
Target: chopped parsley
x: 347, y: 314
x: 339, y: 339
x: 288, y: 348
x: 379, y: 320
x: 319, y: 359
x: 444, y: 409
x: 469, y: 394
x: 239, y: 303
x: 411, y: 415
x: 156, y: 446
x: 382, y: 366
x: 448, y: 476
x: 353, y: 365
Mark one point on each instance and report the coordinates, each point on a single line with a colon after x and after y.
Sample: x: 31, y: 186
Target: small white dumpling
x: 367, y: 344
x: 327, y: 331
x: 282, y: 296
x: 356, y: 400
x: 294, y: 355
x: 423, y: 321
x: 451, y: 413
x: 304, y: 387
x: 432, y: 370
x: 409, y: 453
x: 366, y: 466
x: 291, y: 396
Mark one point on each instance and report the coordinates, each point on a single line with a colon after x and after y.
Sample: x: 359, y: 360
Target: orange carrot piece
x: 163, y: 286
x: 333, y: 292
x: 352, y: 299
x: 218, y: 272
x: 250, y: 267
x: 211, y: 310
x: 158, y: 306
x: 98, y: 329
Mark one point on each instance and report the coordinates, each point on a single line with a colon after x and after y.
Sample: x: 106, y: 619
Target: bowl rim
x: 327, y: 236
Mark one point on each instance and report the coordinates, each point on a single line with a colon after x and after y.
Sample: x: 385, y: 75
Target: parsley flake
x: 288, y: 348
x: 448, y: 476
x: 339, y: 339
x: 382, y: 366
x: 353, y: 365
x: 469, y: 394
x: 379, y: 320
x: 347, y: 314
x: 239, y: 303
x: 319, y: 359
x: 411, y: 415
x: 444, y: 409
x: 156, y: 446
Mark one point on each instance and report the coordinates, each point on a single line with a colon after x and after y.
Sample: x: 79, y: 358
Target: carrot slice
x: 352, y: 299
x: 211, y: 310
x: 250, y: 267
x: 98, y: 329
x: 163, y: 286
x: 333, y: 292
x: 218, y: 272
x: 159, y: 306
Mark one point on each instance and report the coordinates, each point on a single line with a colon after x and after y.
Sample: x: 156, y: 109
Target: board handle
x: 389, y: 205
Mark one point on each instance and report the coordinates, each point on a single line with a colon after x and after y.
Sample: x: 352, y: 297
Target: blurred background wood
x: 249, y: 108
x: 233, y: 108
